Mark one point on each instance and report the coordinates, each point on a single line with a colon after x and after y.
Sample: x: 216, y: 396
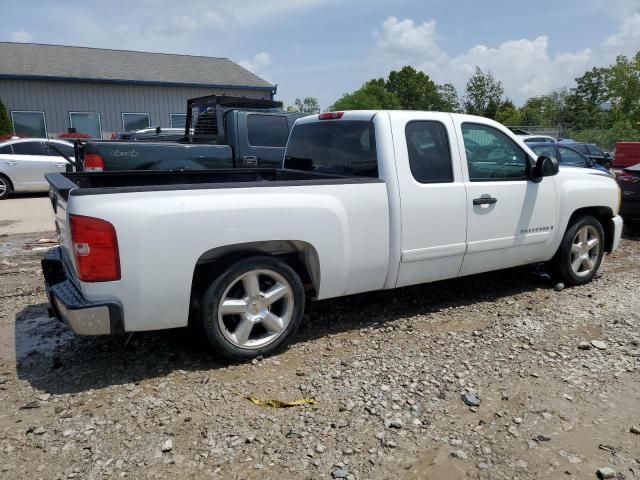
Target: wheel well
x: 300, y: 256
x: 604, y: 215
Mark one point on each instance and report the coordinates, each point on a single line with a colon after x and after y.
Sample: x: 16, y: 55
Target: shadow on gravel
x: 54, y: 360
x: 631, y: 233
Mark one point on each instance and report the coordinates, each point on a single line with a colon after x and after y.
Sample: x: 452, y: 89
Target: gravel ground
x: 395, y: 375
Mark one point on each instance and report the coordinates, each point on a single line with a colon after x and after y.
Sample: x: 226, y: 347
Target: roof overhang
x: 268, y: 88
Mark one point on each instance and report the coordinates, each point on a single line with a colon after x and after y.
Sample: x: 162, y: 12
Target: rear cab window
x: 429, y: 153
x: 267, y: 130
x: 340, y: 147
x: 6, y: 150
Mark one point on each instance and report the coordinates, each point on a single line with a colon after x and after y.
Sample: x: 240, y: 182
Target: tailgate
x: 60, y: 186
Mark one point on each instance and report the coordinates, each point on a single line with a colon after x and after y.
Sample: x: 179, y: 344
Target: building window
x: 86, y: 122
x: 29, y: 124
x: 178, y: 120
x: 135, y: 121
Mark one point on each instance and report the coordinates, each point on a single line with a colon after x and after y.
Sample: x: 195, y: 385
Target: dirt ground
x: 387, y: 370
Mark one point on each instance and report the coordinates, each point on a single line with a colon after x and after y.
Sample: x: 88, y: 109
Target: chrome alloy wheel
x: 3, y: 186
x: 255, y: 309
x: 585, y: 250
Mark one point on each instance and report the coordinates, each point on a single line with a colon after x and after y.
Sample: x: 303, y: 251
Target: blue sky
x: 324, y: 48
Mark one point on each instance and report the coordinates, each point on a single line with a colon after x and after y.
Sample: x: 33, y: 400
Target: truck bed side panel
x: 163, y: 234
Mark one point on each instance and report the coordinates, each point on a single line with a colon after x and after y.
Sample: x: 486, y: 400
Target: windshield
x: 341, y: 147
x: 546, y: 150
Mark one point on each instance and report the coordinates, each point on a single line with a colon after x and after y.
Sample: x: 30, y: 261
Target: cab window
x: 492, y: 155
x: 429, y: 154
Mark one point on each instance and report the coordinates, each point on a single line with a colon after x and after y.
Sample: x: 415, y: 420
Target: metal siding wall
x: 57, y: 99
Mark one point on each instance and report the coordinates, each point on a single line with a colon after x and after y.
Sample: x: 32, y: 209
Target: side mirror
x: 591, y: 161
x: 545, y: 167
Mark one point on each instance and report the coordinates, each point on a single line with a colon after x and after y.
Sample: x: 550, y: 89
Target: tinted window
x: 580, y: 147
x: 539, y: 139
x: 135, y: 121
x: 178, y: 120
x: 547, y: 151
x: 29, y: 124
x: 569, y: 157
x: 340, y: 147
x: 491, y: 155
x: 66, y: 149
x: 6, y: 150
x: 595, y: 150
x: 29, y: 148
x: 86, y: 122
x: 429, y: 155
x: 267, y: 130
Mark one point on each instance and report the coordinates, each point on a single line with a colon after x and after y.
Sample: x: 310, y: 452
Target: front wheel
x: 252, y: 308
x: 580, y: 252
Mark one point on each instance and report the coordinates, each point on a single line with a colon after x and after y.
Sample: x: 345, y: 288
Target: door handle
x: 250, y: 160
x: 485, y: 201
x: 11, y: 163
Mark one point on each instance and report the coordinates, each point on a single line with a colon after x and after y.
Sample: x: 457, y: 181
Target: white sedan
x: 24, y: 163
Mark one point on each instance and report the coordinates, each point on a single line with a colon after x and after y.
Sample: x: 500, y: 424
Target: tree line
x: 603, y: 106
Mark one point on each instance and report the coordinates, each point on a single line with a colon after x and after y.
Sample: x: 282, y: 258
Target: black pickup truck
x: 220, y: 132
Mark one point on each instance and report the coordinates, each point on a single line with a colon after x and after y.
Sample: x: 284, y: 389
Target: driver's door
x: 511, y: 219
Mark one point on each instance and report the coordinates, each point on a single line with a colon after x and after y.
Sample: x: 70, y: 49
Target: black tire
x: 220, y: 329
x: 561, y: 264
x: 5, y: 187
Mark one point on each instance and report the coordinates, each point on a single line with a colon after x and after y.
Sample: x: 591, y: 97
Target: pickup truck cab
x: 367, y: 200
x: 229, y: 132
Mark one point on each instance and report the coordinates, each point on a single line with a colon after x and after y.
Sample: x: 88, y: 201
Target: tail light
x: 95, y: 247
x: 93, y: 163
x: 330, y: 115
x: 628, y: 177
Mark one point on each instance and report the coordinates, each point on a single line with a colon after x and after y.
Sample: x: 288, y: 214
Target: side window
x: 569, y: 157
x: 267, y: 130
x: 581, y: 147
x: 429, y: 153
x: 66, y: 149
x: 29, y: 148
x: 6, y: 150
x: 492, y: 155
x: 594, y: 150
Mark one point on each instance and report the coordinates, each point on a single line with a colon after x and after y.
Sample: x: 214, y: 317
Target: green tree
x: 508, y: 113
x: 483, y: 94
x: 373, y: 95
x: 307, y: 105
x: 5, y: 123
x: 414, y: 89
x: 583, y: 103
x: 623, y: 84
x: 449, y: 100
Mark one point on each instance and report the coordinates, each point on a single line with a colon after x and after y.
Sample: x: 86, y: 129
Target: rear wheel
x: 580, y: 252
x: 5, y: 187
x: 252, y: 308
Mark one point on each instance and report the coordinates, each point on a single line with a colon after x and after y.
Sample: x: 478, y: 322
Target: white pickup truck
x: 367, y: 200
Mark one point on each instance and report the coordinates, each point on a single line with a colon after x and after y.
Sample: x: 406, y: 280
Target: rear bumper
x: 68, y: 304
x: 616, y: 223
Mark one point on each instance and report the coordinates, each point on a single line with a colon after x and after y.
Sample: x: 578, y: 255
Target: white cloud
x: 258, y: 64
x: 526, y: 67
x: 20, y: 36
x: 627, y: 40
x: 173, y: 18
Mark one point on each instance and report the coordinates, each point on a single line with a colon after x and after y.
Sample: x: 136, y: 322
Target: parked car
x: 626, y: 154
x: 537, y: 139
x: 567, y: 155
x: 230, y: 132
x: 24, y: 163
x: 592, y: 151
x: 629, y: 181
x: 367, y: 200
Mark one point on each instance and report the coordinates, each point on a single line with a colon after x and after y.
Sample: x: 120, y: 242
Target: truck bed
x: 100, y: 183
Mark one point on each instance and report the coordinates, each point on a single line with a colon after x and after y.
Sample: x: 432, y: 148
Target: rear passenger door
x: 29, y: 164
x: 432, y: 196
x: 262, y: 139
